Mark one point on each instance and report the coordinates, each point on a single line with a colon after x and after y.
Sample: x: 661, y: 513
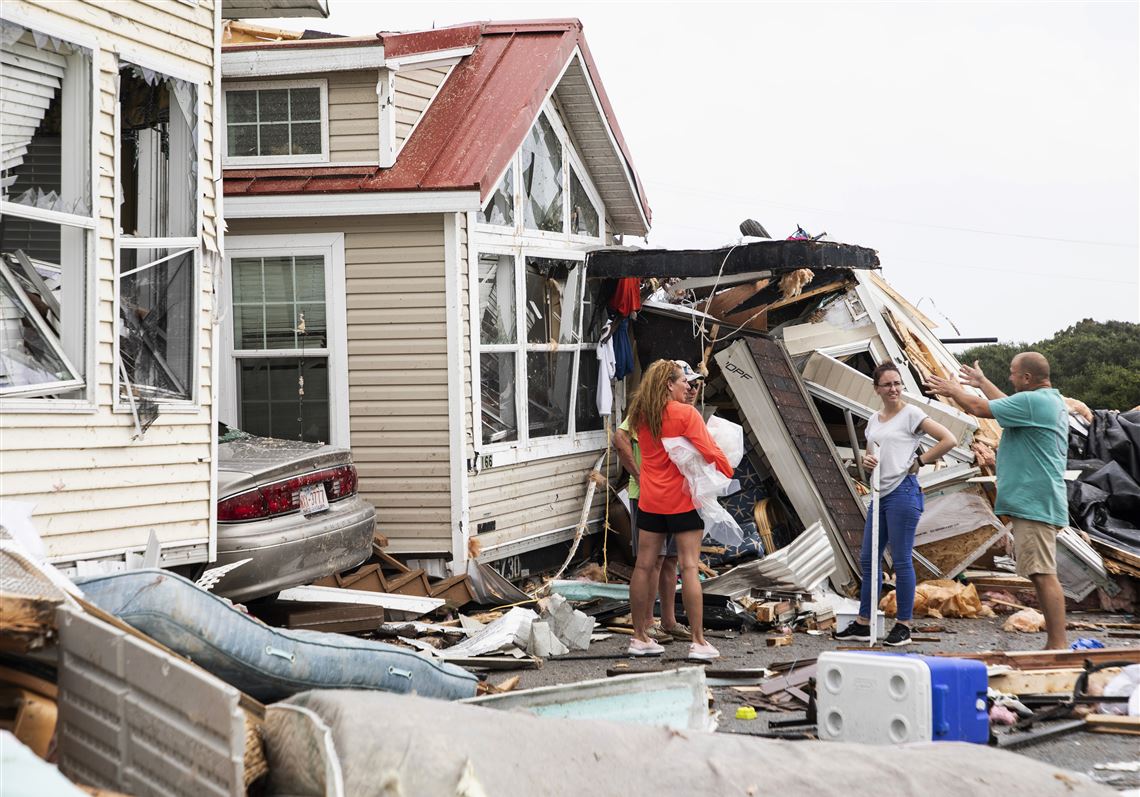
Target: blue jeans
x: 898, y: 518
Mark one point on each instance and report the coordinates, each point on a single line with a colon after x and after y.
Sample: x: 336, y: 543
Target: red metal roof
x: 474, y: 126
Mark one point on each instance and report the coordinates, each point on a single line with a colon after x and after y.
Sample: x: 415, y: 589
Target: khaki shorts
x: 1034, y: 547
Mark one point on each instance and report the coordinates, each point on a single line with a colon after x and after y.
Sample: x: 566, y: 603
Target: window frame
x: 570, y: 160
x: 331, y: 247
x: 83, y: 314
x: 121, y: 404
x: 321, y: 158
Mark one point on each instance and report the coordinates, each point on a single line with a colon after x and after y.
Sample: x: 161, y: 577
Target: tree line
x: 1095, y: 362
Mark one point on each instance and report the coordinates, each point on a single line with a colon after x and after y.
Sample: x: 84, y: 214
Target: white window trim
x: 322, y: 158
x: 80, y: 36
x: 524, y: 449
x: 331, y: 247
x: 193, y: 405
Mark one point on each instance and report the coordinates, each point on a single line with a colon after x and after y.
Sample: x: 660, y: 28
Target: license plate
x: 313, y: 499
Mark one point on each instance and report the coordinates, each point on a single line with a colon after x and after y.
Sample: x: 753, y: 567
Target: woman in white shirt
x: 897, y: 430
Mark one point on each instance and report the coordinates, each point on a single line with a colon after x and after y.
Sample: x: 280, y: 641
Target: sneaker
x: 679, y: 632
x: 899, y: 636
x: 638, y: 648
x: 855, y: 631
x: 659, y: 635
x: 705, y: 652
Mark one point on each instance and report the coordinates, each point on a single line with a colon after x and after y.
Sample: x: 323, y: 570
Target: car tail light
x: 281, y: 497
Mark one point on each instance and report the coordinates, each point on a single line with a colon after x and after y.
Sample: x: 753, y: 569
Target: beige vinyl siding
x: 97, y: 491
x: 354, y: 126
x: 534, y: 497
x: 397, y: 361
x: 414, y: 92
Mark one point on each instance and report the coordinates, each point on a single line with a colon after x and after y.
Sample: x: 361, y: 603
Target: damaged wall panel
x: 803, y: 459
x: 98, y: 491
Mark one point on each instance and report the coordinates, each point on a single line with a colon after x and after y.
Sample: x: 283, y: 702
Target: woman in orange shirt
x: 659, y: 410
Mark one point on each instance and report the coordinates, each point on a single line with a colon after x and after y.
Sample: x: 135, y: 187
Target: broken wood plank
x: 1046, y: 682
x: 778, y: 641
x: 1047, y: 659
x: 414, y: 604
x: 794, y: 678
x: 1113, y: 723
x: 496, y: 662
x: 26, y: 622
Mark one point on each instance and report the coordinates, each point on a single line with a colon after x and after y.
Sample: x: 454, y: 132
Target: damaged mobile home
x: 425, y: 201
x: 110, y: 234
x: 788, y: 333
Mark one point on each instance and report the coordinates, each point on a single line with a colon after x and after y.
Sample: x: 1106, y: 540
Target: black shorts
x: 669, y: 524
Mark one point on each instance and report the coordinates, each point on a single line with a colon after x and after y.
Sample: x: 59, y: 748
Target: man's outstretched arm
x: 975, y: 405
x: 974, y: 377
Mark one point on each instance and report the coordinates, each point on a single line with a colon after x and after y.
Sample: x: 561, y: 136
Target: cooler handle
x: 938, y: 699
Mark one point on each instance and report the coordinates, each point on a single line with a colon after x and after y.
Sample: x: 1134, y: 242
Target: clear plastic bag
x: 705, y: 483
x: 729, y: 436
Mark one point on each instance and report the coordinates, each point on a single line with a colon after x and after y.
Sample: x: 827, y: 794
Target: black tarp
x: 1105, y: 499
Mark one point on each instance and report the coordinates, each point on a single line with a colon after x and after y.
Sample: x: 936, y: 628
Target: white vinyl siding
x: 397, y: 368
x: 97, y: 490
x: 415, y: 90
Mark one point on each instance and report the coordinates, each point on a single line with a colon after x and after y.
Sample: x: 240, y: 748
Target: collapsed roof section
x: 756, y: 260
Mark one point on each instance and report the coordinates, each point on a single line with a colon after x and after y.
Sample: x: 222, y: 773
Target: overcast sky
x: 988, y: 151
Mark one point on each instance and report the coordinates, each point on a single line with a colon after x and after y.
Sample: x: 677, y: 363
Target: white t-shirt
x: 898, y: 441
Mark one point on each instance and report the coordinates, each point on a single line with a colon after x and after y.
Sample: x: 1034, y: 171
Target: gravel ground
x: 1079, y: 751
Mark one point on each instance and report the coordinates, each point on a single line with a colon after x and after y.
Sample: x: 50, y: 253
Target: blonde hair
x: 648, y: 404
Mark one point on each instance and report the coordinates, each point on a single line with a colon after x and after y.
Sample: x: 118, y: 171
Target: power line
x: 975, y: 230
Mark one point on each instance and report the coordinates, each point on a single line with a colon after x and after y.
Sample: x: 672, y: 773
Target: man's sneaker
x: 679, y: 632
x: 705, y: 652
x: 899, y: 636
x: 659, y: 635
x: 855, y: 631
x: 638, y: 648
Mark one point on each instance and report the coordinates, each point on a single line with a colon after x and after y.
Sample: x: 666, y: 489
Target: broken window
x: 158, y: 244
x: 45, y: 212
x: 497, y: 395
x: 501, y: 208
x: 285, y: 123
x: 552, y: 292
x: 281, y: 345
x: 551, y: 344
x: 156, y: 322
x: 583, y: 214
x: 542, y: 178
x: 158, y: 164
x: 496, y: 299
x: 32, y: 360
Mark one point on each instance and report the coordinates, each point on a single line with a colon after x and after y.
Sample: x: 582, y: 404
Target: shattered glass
x: 548, y: 378
x: 263, y: 122
x: 501, y: 208
x: 285, y: 397
x: 542, y: 178
x: 45, y: 141
x: 157, y: 321
x: 496, y: 298
x: 583, y: 214
x: 586, y: 417
x: 552, y: 293
x: 497, y: 393
x: 32, y: 362
x: 158, y: 180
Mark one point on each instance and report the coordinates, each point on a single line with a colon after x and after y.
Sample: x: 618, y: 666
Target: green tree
x: 1096, y: 362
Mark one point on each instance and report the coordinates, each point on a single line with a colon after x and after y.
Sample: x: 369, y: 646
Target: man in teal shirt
x: 1031, y: 462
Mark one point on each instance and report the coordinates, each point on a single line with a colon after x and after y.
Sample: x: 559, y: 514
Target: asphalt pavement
x: 1080, y: 751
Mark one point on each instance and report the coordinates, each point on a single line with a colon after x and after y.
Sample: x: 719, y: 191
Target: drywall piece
x: 1080, y: 568
x: 674, y: 699
x: 801, y: 455
x: 138, y: 720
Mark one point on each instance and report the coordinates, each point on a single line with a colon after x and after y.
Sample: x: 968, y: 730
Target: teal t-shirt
x: 1031, y: 456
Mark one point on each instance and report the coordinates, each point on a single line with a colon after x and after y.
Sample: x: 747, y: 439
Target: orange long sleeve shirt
x: 663, y: 488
